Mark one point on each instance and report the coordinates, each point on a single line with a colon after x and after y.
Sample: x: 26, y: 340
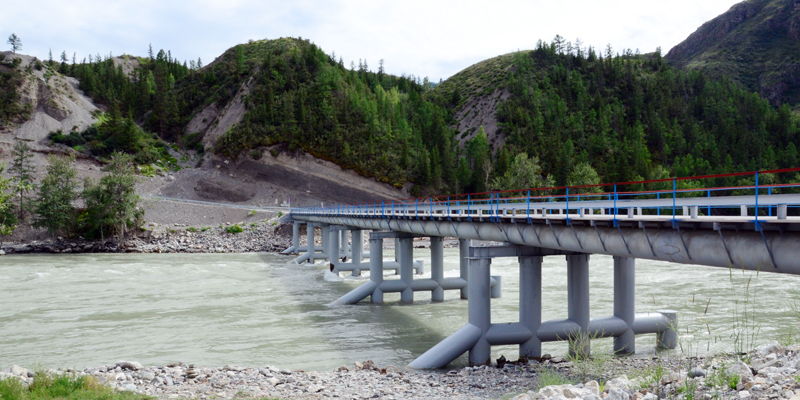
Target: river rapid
x: 83, y: 310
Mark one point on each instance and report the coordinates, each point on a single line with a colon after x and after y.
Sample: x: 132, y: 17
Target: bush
x: 234, y: 229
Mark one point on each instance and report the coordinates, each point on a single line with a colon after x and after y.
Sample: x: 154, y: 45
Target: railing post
x: 448, y: 208
x: 769, y: 192
x: 416, y: 208
x: 615, y: 204
x: 658, y: 209
x: 757, y: 227
x: 431, y: 208
x: 469, y: 216
x: 709, y: 206
x: 567, y: 205
x: 528, y: 204
x: 674, y: 191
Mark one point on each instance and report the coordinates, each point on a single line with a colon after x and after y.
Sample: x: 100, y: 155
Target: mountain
x: 756, y: 43
x: 628, y: 117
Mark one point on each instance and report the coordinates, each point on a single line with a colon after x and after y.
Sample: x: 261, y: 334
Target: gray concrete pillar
x: 333, y: 247
x: 782, y: 211
x: 743, y: 210
x: 325, y: 233
x: 310, y: 248
x: 530, y: 303
x: 406, y: 255
x: 668, y: 338
x: 437, y: 267
x: 376, y: 268
x: 463, y: 254
x: 343, y: 238
x: 357, y: 250
x: 625, y: 302
x: 479, y: 308
x: 578, y: 302
x: 397, y: 253
x: 296, y: 236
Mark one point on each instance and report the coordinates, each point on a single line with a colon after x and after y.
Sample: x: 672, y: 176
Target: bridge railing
x: 766, y: 193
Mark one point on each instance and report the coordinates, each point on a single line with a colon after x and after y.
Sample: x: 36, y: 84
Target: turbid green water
x: 256, y: 309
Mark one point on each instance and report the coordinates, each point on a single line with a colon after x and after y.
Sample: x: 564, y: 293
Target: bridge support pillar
x: 530, y: 303
x: 578, y: 302
x: 437, y: 267
x: 357, y: 249
x: 333, y: 246
x: 324, y: 233
x: 376, y: 268
x: 479, y: 308
x: 625, y: 302
x: 295, y: 248
x: 463, y: 252
x: 406, y: 259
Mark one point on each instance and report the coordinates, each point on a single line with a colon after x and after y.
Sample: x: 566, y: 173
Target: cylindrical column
x: 479, y: 308
x: 463, y: 254
x: 376, y: 268
x: 345, y: 234
x: 325, y: 233
x: 625, y: 302
x: 578, y: 302
x: 397, y: 254
x: 437, y: 267
x: 310, y: 241
x: 530, y: 303
x: 357, y: 247
x: 333, y: 247
x: 406, y: 268
x: 668, y: 337
x: 296, y: 236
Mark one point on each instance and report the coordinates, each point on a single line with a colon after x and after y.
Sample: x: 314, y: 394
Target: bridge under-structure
x: 669, y: 228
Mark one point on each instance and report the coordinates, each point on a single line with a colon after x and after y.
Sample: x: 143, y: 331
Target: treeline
x: 301, y: 98
x: 633, y: 117
x: 110, y: 205
x: 11, y: 78
x: 145, y: 94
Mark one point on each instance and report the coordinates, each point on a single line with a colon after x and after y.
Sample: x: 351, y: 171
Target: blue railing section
x: 572, y: 199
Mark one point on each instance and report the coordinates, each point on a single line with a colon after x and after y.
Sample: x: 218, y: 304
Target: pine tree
x: 54, y: 209
x: 22, y: 170
x: 15, y: 42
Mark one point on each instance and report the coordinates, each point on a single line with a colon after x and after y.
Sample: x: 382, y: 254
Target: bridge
x: 754, y: 226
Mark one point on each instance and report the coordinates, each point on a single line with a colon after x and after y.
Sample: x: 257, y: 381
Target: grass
x: 550, y: 377
x: 62, y: 387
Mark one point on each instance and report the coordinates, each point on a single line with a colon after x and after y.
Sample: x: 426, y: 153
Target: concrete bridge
x: 758, y: 231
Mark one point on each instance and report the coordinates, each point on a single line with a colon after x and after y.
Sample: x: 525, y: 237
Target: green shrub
x: 234, y: 229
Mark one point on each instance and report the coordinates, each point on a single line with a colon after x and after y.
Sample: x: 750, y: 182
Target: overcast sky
x: 432, y: 38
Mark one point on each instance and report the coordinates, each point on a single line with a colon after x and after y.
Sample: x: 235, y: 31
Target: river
x: 83, y: 310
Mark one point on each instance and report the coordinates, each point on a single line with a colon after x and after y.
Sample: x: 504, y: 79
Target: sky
x: 433, y: 38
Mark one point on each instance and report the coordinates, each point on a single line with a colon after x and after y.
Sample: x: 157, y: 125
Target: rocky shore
x: 263, y: 236
x: 770, y: 372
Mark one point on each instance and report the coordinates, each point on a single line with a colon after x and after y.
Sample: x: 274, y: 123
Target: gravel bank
x: 770, y: 372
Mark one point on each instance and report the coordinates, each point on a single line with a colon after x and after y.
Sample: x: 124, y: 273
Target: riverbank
x: 267, y: 235
x: 770, y: 372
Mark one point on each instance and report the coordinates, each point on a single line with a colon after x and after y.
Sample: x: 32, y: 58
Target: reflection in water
x: 255, y: 309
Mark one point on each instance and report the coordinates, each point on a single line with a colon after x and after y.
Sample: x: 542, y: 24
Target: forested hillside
x: 630, y: 117
x: 756, y: 43
x: 565, y: 115
x: 301, y: 98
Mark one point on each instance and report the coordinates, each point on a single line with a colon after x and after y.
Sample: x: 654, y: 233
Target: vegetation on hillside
x: 628, y: 117
x: 756, y: 43
x: 573, y: 116
x: 11, y: 79
x: 301, y: 98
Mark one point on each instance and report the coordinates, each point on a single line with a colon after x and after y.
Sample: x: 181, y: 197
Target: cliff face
x: 756, y: 42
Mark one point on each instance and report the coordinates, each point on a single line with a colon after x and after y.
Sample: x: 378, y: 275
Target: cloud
x: 423, y: 38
